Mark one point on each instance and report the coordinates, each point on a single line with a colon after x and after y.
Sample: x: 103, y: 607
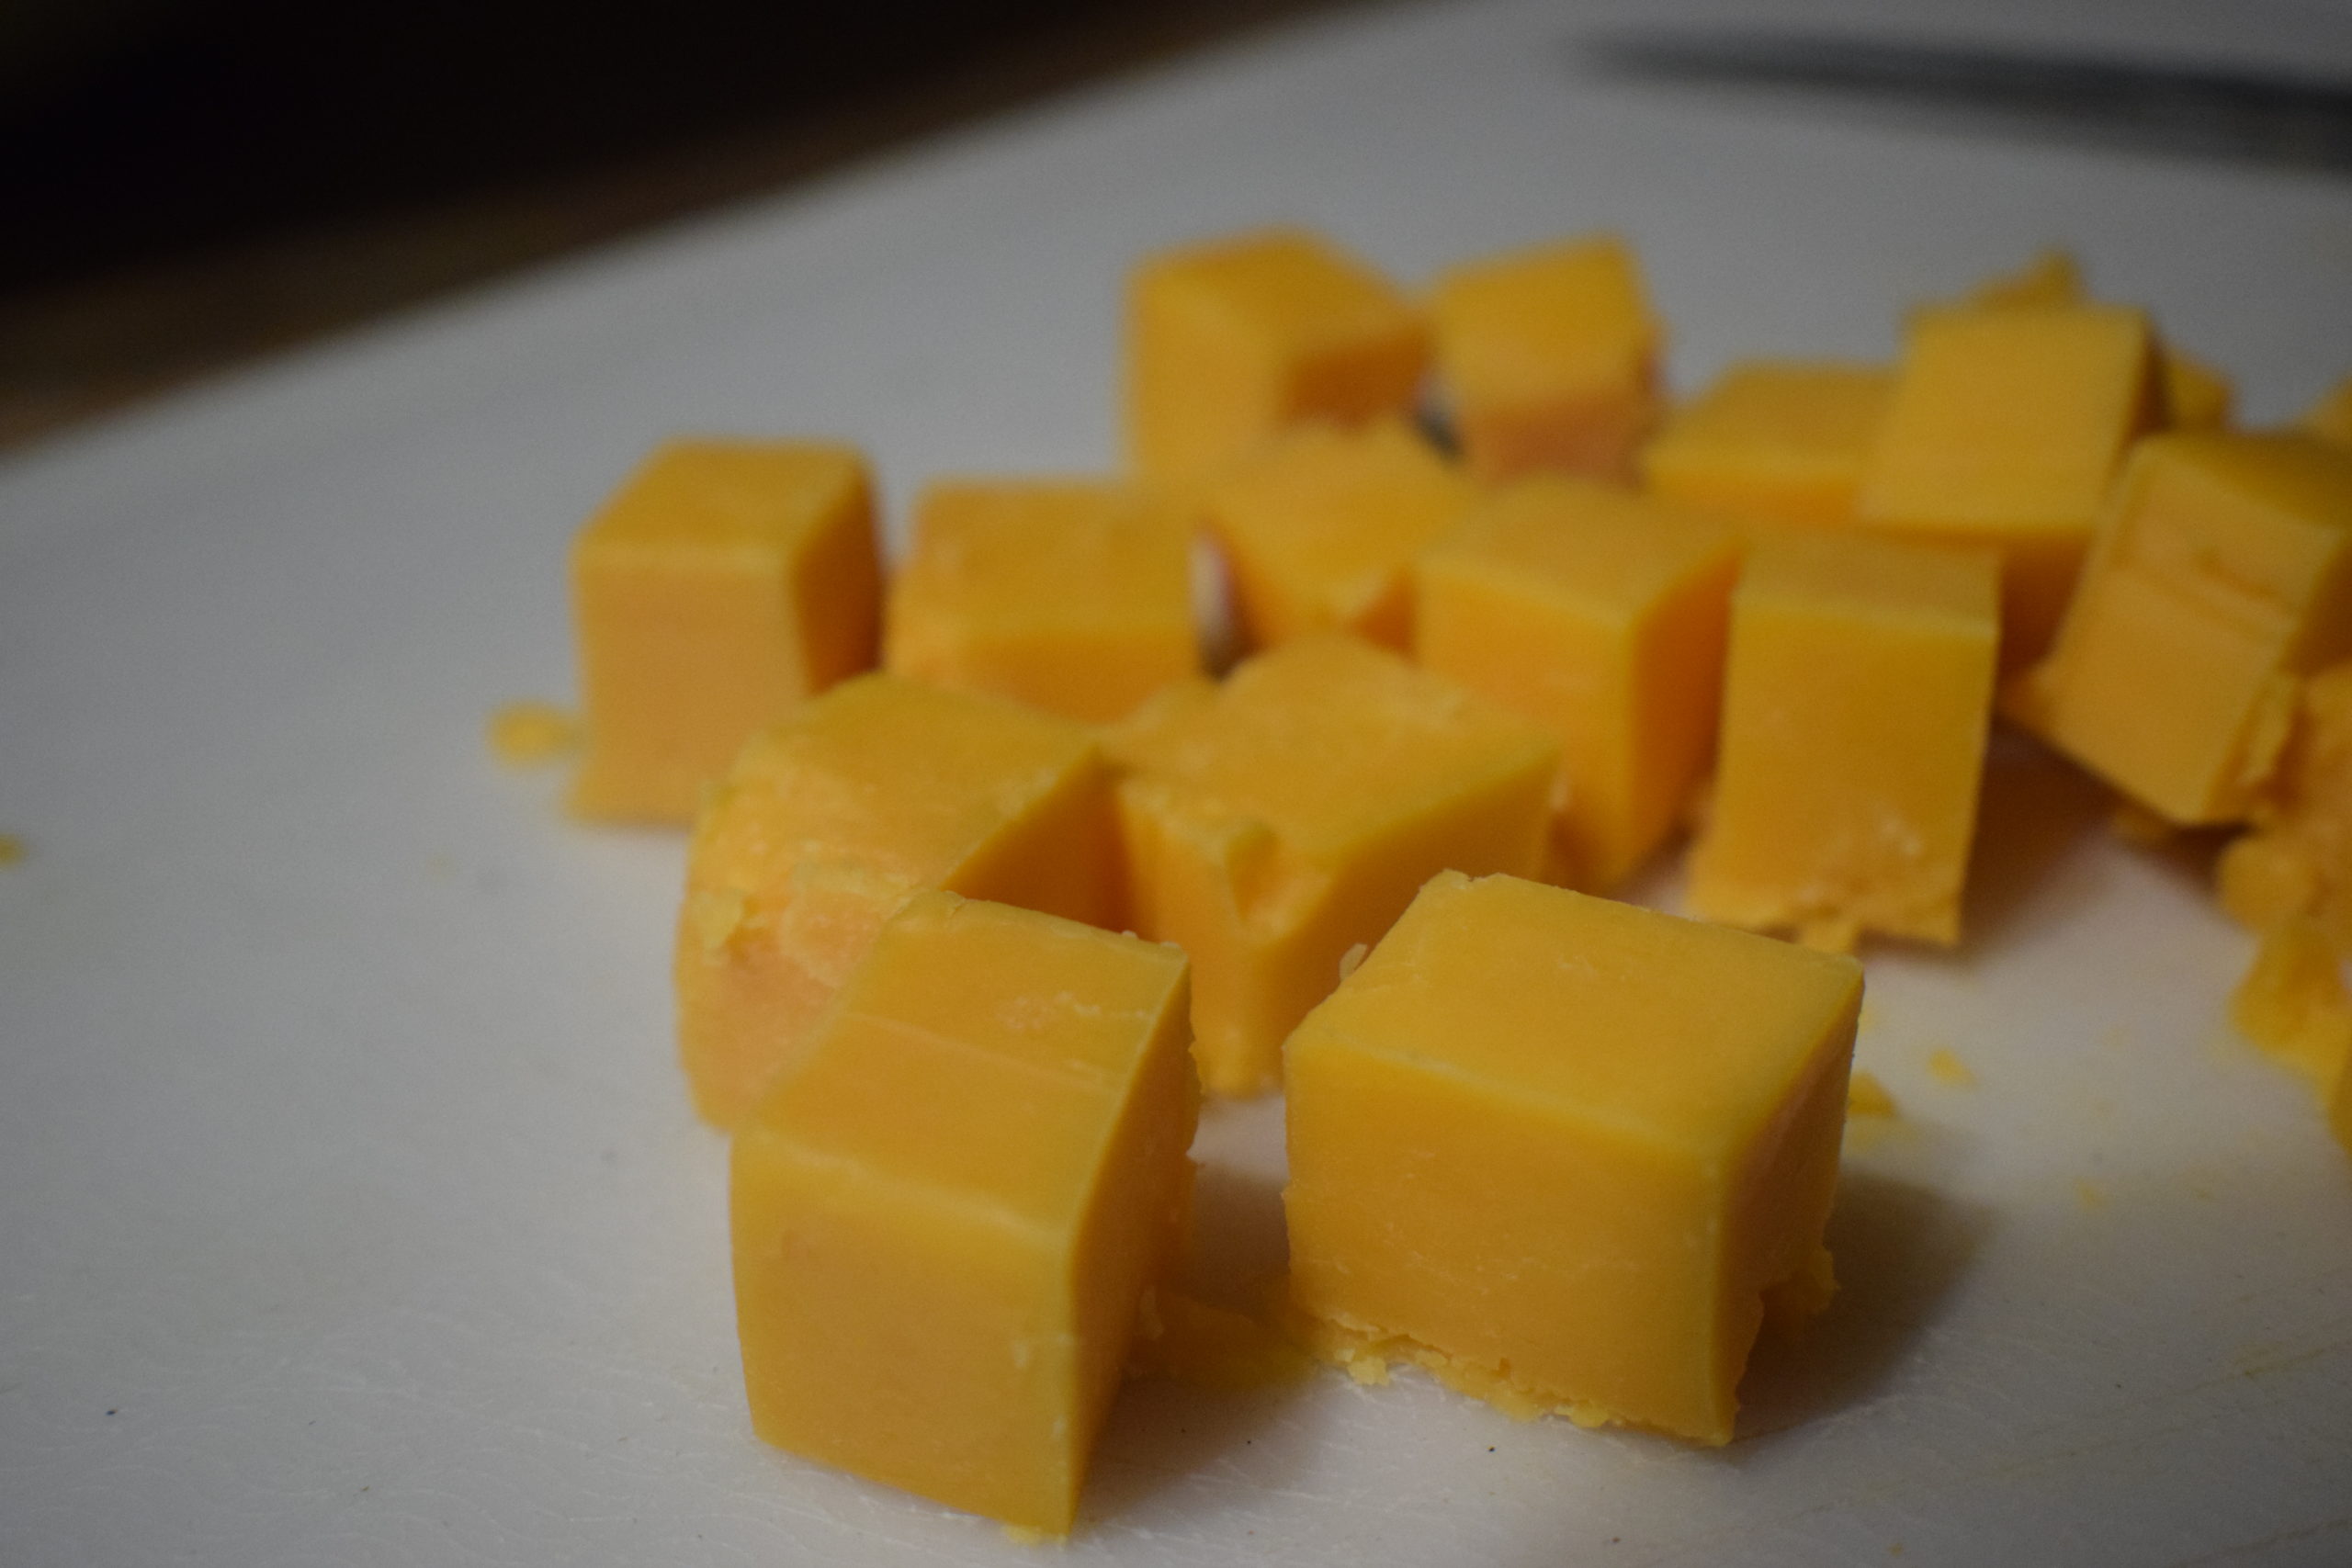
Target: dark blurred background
x: 188, y: 183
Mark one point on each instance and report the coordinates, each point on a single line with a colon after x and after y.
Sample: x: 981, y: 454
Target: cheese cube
x: 2298, y: 861
x: 944, y: 1222
x: 1230, y: 341
x: 2197, y: 395
x: 725, y: 581
x: 1275, y: 821
x: 1773, y: 441
x: 1549, y: 357
x: 2330, y: 419
x: 1565, y: 1152
x: 2292, y: 1002
x: 2223, y: 574
x: 831, y: 819
x: 2006, y: 427
x: 1856, y: 704
x: 1599, y: 613
x: 1072, y: 595
x: 1320, y: 530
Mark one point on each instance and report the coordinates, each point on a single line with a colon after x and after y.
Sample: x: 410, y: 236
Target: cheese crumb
x: 12, y: 849
x: 525, y: 734
x: 1946, y: 1068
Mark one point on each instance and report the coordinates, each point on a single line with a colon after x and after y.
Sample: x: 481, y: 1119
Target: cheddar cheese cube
x: 725, y: 582
x: 1565, y: 1152
x: 1275, y: 821
x: 1599, y: 613
x: 2223, y: 575
x: 944, y: 1222
x: 1857, y: 699
x: 1230, y: 341
x: 2296, y: 862
x: 2005, y: 428
x: 1549, y: 359
x: 1774, y: 442
x: 1320, y: 528
x: 1072, y: 595
x: 2330, y: 419
x: 831, y: 820
x: 2197, y: 395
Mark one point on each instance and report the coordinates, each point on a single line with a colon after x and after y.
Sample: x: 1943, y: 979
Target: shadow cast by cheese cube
x: 2036, y: 813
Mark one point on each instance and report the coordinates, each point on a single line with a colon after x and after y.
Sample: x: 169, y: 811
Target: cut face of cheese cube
x: 2005, y: 428
x: 1320, y: 528
x: 831, y: 820
x: 1072, y: 595
x: 944, y: 1221
x: 725, y: 582
x: 1856, y: 704
x: 1231, y: 341
x: 1275, y: 821
x: 1563, y: 1151
x: 1549, y: 359
x: 2223, y: 575
x: 2296, y: 863
x: 1602, y: 614
x: 1773, y: 442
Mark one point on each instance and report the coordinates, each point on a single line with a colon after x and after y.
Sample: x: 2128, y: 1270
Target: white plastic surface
x: 351, y: 1209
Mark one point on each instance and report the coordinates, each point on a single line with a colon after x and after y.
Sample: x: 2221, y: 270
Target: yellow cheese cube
x: 1320, y: 530
x: 2223, y: 573
x: 2330, y: 419
x: 831, y: 819
x: 2006, y: 427
x: 2298, y: 861
x: 1773, y: 441
x: 1230, y: 341
x: 1549, y: 357
x: 944, y: 1220
x: 1072, y: 595
x: 1599, y: 613
x: 1276, y: 821
x: 1856, y: 703
x: 1564, y: 1152
x: 725, y: 581
x: 2053, y: 277
x: 2197, y: 395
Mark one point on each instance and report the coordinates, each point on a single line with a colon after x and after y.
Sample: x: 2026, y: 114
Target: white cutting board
x: 351, y: 1210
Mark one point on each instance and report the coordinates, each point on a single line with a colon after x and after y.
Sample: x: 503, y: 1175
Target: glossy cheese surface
x: 1275, y: 821
x: 1602, y: 614
x: 1073, y: 595
x: 1773, y: 441
x: 723, y: 584
x: 1561, y: 1150
x: 831, y: 820
x: 943, y: 1220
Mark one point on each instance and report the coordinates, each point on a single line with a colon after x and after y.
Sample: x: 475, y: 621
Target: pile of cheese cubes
x: 963, y: 938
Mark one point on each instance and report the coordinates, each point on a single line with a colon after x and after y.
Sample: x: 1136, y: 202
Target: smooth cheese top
x: 706, y: 497
x: 1774, y: 415
x: 1286, y: 288
x: 1655, y: 1028
x: 1536, y: 321
x: 1607, y: 554
x: 981, y: 1054
x: 1328, y: 740
x: 1045, y: 553
x: 2009, y: 419
x: 1854, y: 575
x: 903, y: 779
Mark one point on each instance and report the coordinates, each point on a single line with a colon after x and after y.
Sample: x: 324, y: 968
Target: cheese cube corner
x: 1602, y: 614
x: 1549, y: 359
x: 944, y: 1220
x: 1567, y: 1153
x: 1278, y: 821
x: 1231, y: 340
x: 832, y: 818
x: 1857, y: 700
x: 723, y: 584
x: 1073, y: 595
x: 1773, y: 442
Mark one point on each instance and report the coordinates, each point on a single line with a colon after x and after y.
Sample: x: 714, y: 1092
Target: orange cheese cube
x: 2051, y: 278
x: 1856, y: 704
x: 2006, y: 427
x: 1773, y: 441
x: 1072, y: 595
x: 1566, y: 1153
x: 1601, y: 613
x: 1320, y: 528
x: 2330, y: 419
x: 725, y: 581
x: 2223, y: 574
x: 944, y: 1222
x: 2197, y: 395
x: 1230, y: 341
x: 831, y: 819
x: 1275, y: 821
x: 1549, y: 357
